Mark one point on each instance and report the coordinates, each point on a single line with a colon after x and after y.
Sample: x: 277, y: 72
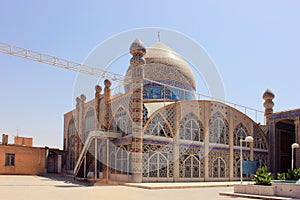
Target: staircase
x: 95, y: 134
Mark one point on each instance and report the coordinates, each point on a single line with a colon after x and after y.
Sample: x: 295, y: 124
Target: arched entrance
x: 285, y: 134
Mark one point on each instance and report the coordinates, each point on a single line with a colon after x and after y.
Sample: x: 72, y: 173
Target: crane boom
x: 93, y: 71
x: 59, y: 62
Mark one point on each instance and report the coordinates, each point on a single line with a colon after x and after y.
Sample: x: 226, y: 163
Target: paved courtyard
x: 37, y: 187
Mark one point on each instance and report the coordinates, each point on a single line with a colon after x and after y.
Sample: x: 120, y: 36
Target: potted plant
x: 293, y: 175
x: 263, y: 176
x: 263, y: 184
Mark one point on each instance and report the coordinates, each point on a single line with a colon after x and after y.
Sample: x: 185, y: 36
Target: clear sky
x: 255, y: 45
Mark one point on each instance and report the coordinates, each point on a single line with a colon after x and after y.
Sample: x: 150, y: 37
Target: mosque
x: 157, y: 131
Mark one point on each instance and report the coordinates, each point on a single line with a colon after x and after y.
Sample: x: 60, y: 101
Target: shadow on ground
x: 67, y: 180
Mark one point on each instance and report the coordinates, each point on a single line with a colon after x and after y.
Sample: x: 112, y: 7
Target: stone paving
x: 38, y: 187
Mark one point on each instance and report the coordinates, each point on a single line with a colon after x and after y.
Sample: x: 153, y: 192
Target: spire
x: 137, y: 50
x: 158, y: 35
x: 268, y: 96
x: 137, y: 47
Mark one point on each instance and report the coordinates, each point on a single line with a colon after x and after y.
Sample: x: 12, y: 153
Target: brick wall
x: 28, y: 160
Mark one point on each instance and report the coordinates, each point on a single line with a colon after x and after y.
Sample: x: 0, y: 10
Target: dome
x: 171, y: 75
x: 159, y: 53
x: 164, y: 65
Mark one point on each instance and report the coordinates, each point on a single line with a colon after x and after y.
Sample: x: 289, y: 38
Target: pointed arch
x: 120, y: 160
x: 240, y: 132
x: 191, y: 166
x: 158, y: 165
x: 89, y: 122
x: 71, y: 128
x: 158, y: 126
x: 191, y: 128
x: 218, y: 129
x: 219, y: 168
x: 260, y: 141
x: 121, y: 122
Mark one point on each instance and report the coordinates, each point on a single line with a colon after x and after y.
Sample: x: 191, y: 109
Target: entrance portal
x: 285, y: 136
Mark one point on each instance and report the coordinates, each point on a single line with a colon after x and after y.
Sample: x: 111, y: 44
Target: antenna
x: 158, y: 35
x: 17, y: 132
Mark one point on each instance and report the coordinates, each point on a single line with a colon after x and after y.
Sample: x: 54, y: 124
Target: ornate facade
x: 156, y: 131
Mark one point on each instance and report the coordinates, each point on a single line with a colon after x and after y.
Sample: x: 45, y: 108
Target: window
x: 88, y: 124
x: 218, y: 129
x: 122, y: 122
x: 191, y: 128
x: 158, y: 127
x: 10, y: 159
x: 240, y: 132
x: 219, y: 168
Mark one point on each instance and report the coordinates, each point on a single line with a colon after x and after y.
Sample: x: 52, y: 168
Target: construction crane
x: 90, y: 70
x: 59, y: 62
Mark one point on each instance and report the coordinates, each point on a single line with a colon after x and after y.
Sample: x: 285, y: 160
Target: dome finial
x: 137, y: 50
x: 268, y: 96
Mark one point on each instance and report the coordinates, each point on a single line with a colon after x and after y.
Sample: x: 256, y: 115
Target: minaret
x: 268, y: 96
x: 81, y: 102
x: 107, y: 98
x: 137, y: 61
x: 98, y: 90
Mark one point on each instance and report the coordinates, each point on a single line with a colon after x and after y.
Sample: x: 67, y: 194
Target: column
x: 98, y: 90
x: 96, y: 159
x: 297, y: 140
x: 207, y: 115
x: 137, y: 61
x: 272, y: 150
x: 81, y: 122
x: 251, y: 144
x: 231, y: 146
x: 177, y: 119
x: 107, y: 101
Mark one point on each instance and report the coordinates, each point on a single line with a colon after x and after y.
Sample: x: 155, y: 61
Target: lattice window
x: 190, y: 166
x: 120, y: 160
x: 158, y: 127
x: 218, y: 129
x: 169, y: 114
x: 124, y: 102
x: 191, y: 128
x: 262, y: 159
x: 218, y: 164
x: 259, y: 141
x: 71, y: 158
x: 145, y: 115
x: 219, y: 168
x: 240, y: 132
x: 158, y: 164
x: 122, y: 122
x: 237, y: 164
x: 158, y: 161
x: 88, y: 124
x: 71, y: 128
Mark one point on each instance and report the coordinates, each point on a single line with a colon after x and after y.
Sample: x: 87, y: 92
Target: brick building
x: 22, y: 158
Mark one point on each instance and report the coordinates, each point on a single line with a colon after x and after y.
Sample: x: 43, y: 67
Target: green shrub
x: 263, y: 176
x: 281, y: 176
x: 290, y: 175
x: 293, y: 174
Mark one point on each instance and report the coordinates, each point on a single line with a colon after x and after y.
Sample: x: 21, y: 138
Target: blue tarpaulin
x: 250, y: 167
